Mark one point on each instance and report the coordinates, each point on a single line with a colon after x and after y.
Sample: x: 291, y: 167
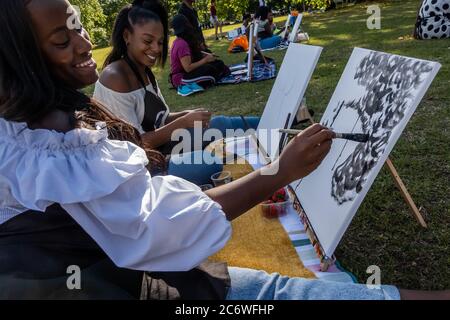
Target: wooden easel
x: 251, y: 49
x: 286, y: 26
x: 305, y: 114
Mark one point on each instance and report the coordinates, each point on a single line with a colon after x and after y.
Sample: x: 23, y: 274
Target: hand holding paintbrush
x: 358, y: 137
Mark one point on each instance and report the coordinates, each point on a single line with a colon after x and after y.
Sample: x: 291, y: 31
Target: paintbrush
x: 255, y: 138
x: 358, y: 137
x: 211, y: 54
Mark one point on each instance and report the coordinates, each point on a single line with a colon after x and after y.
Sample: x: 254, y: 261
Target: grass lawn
x: 383, y: 233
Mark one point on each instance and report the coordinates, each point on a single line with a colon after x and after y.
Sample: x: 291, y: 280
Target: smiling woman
x: 127, y: 86
x: 68, y: 51
x: 36, y: 93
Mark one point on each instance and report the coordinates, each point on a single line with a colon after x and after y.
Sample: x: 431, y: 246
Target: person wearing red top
x: 213, y: 18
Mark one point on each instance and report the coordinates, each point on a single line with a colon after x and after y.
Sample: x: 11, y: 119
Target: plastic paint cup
x: 221, y: 178
x: 206, y: 187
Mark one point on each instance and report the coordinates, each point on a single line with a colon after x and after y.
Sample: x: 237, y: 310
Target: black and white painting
x: 376, y: 95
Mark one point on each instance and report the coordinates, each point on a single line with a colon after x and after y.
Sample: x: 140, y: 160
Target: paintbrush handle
x: 211, y: 54
x: 290, y: 131
x: 358, y: 137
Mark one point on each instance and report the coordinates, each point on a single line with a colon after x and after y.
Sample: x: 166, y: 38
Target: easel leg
x: 304, y: 114
x: 250, y: 69
x: 405, y: 194
x: 251, y: 49
x: 308, y: 114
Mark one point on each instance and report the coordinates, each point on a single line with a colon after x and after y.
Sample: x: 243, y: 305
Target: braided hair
x: 138, y: 12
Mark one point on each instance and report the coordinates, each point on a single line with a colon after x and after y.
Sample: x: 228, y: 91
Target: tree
x: 226, y: 9
x: 98, y: 16
x: 111, y: 9
x: 301, y: 4
x: 232, y: 9
x: 92, y: 18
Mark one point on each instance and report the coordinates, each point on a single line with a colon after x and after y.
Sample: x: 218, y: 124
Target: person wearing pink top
x: 192, y: 68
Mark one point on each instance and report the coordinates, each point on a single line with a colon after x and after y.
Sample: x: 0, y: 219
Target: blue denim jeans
x: 248, y: 284
x: 223, y: 123
x: 270, y: 42
x: 188, y: 167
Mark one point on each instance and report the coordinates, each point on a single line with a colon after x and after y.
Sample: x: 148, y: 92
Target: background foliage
x: 98, y: 16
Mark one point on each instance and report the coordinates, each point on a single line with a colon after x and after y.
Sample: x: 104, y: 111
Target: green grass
x: 383, y: 233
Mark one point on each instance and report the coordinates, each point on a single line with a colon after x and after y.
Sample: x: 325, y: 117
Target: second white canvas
x: 287, y: 94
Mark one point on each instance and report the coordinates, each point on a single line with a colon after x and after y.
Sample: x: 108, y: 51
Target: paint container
x: 221, y: 178
x: 206, y: 187
x: 272, y: 210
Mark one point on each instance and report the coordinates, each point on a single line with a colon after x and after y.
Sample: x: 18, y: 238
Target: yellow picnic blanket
x: 260, y: 243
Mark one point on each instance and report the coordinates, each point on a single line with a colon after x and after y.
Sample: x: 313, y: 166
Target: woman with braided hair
x: 75, y: 192
x: 128, y: 88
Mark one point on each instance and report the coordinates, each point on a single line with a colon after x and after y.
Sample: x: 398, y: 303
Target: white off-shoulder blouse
x: 141, y: 222
x: 129, y: 106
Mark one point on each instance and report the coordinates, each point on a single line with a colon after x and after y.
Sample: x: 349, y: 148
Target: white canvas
x: 377, y: 94
x: 286, y: 25
x: 253, y: 34
x: 287, y: 93
x: 293, y: 34
x: 232, y: 34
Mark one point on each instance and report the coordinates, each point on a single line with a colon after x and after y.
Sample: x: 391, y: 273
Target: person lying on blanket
x: 76, y: 191
x: 128, y: 88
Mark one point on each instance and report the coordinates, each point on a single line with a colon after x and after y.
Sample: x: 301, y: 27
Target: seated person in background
x: 128, y: 88
x: 294, y: 15
x: 433, y: 20
x: 187, y: 9
x: 266, y: 29
x: 191, y: 68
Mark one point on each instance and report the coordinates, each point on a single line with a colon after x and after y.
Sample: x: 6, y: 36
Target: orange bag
x: 241, y: 41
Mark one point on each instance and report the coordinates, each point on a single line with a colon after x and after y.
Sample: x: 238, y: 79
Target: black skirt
x: 37, y: 251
